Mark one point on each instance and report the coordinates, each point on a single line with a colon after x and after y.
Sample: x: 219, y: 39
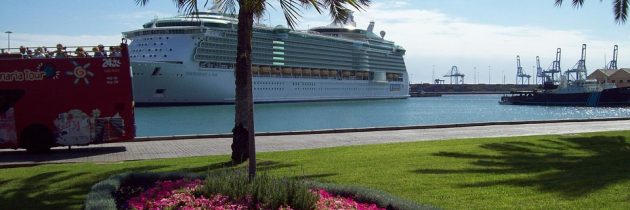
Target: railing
x: 60, y: 52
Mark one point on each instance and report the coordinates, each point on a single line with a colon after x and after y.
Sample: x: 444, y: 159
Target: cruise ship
x: 190, y: 59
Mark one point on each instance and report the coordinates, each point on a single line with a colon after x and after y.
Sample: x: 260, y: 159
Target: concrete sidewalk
x: 115, y: 152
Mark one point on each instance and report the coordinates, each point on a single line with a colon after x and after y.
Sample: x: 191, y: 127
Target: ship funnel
x: 371, y: 27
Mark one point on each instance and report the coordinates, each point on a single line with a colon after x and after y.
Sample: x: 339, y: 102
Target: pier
x: 468, y: 88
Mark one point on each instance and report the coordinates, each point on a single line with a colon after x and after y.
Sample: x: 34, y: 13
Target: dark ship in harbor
x: 573, y: 89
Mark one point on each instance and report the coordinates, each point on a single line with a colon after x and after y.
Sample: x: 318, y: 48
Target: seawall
x: 469, y: 88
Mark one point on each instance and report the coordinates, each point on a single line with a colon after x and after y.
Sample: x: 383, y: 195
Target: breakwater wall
x: 469, y: 88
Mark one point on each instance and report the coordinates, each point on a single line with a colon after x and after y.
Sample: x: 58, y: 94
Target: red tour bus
x: 65, y: 99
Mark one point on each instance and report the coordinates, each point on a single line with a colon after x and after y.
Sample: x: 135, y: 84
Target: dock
x: 424, y: 94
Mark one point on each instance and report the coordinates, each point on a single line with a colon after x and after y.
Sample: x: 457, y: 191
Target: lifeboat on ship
x: 297, y: 71
x: 306, y: 72
x: 265, y: 69
x: 276, y: 71
x: 287, y: 71
x: 323, y: 72
x: 255, y: 69
x: 359, y: 74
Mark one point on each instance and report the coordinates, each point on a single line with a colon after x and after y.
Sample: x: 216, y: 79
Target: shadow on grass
x: 260, y: 166
x: 572, y: 167
x: 42, y: 191
x: 66, y: 189
x: 315, y: 176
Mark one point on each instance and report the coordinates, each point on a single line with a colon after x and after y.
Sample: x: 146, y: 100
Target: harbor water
x: 448, y: 109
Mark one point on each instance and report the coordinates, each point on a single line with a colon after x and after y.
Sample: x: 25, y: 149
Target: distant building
x: 620, y: 77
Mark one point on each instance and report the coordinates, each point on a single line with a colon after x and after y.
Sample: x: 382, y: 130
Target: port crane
x: 454, y: 73
x: 579, y: 69
x: 613, y: 63
x: 553, y: 69
x: 520, y: 73
x: 540, y: 74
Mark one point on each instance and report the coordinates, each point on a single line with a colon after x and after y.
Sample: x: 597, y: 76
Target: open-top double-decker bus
x: 65, y: 98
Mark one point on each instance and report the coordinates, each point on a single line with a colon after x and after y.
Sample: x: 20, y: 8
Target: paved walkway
x: 115, y: 152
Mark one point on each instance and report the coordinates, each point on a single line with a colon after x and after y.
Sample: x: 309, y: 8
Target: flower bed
x: 182, y: 194
x: 189, y: 191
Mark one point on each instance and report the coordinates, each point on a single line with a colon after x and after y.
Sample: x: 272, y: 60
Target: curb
x: 371, y: 129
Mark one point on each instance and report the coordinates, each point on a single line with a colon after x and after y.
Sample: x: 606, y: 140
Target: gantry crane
x: 613, y: 63
x: 520, y: 73
x: 454, y: 73
x: 554, y: 69
x: 578, y: 72
x: 540, y: 74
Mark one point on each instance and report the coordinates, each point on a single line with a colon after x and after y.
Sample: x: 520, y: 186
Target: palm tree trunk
x: 243, y: 132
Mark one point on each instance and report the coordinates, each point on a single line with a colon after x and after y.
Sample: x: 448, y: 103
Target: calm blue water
x: 448, y: 109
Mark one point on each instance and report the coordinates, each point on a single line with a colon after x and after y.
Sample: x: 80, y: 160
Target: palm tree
x: 620, y: 8
x: 243, y: 146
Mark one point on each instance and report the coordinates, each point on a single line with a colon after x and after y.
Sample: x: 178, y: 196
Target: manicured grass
x: 585, y: 171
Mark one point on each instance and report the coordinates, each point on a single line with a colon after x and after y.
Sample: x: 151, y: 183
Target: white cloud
x: 136, y: 19
x: 432, y: 38
x: 129, y: 21
x: 435, y: 38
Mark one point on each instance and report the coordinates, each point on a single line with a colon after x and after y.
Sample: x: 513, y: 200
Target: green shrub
x: 274, y: 192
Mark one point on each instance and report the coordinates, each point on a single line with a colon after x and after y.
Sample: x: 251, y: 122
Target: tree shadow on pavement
x: 572, y: 167
x: 8, y: 158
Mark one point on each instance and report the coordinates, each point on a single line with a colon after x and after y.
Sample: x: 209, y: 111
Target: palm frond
x: 307, y: 4
x: 339, y: 12
x: 186, y: 6
x: 259, y: 9
x: 226, y: 6
x: 576, y: 3
x: 291, y: 10
x: 620, y: 8
x: 142, y: 2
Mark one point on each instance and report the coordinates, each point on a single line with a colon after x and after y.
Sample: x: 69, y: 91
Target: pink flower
x: 178, y: 195
x: 328, y: 201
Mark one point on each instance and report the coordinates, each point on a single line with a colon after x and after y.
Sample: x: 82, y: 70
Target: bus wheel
x: 37, y: 138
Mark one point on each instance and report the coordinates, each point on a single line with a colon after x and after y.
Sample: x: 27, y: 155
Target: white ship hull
x: 184, y: 60
x: 181, y: 84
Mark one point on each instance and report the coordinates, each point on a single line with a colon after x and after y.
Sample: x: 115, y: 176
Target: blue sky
x: 481, y: 37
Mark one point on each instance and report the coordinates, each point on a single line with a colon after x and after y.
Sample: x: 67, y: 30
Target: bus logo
x: 80, y: 73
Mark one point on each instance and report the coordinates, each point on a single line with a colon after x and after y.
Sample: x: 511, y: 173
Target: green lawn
x: 586, y: 171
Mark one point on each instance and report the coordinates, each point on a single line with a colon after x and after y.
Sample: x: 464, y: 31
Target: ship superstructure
x: 190, y: 59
